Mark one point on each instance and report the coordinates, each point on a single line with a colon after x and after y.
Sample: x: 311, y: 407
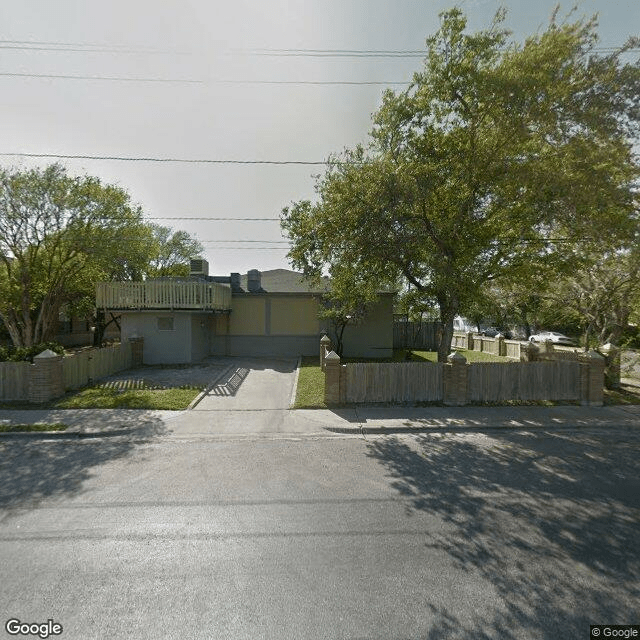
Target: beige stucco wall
x: 247, y: 316
x: 294, y: 316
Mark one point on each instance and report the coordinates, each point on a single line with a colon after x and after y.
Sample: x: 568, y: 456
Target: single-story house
x: 270, y: 313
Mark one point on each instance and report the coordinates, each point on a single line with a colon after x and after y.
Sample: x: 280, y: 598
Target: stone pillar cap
x: 332, y: 355
x: 47, y: 353
x: 454, y: 356
x: 325, y: 339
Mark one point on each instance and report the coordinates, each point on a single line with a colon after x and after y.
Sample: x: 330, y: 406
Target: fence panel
x: 497, y: 381
x: 85, y: 367
x: 14, y: 381
x: 416, y: 335
x: 394, y: 382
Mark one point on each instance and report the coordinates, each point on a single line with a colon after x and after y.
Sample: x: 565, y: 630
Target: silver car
x: 552, y: 336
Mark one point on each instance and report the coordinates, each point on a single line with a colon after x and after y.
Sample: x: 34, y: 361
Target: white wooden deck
x: 160, y: 294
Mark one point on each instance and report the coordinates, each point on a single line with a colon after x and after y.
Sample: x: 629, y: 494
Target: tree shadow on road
x: 551, y: 521
x: 33, y: 470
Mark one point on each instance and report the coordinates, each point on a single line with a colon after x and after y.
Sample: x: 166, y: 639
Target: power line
x: 48, y: 45
x: 370, y: 53
x: 238, y: 241
x: 313, y: 82
x: 210, y: 218
x: 109, y: 78
x: 152, y: 159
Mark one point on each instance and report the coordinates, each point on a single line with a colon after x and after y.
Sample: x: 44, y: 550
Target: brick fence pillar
x: 46, y: 377
x: 592, y: 379
x: 325, y: 347
x: 469, y: 341
x: 529, y: 352
x: 611, y: 354
x: 500, y: 349
x: 455, y: 380
x: 137, y: 352
x: 333, y: 389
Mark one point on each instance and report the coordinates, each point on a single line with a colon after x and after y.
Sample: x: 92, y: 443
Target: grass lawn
x: 11, y: 428
x: 99, y: 398
x: 310, y: 392
x: 399, y: 355
x: 624, y: 395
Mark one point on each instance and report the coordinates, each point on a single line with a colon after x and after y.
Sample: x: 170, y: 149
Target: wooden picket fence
x: 78, y: 370
x: 87, y: 366
x: 394, y: 381
x: 416, y: 335
x: 14, y: 381
x: 485, y: 381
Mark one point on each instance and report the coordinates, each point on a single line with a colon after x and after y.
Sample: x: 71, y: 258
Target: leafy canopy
x: 59, y: 235
x: 495, y: 151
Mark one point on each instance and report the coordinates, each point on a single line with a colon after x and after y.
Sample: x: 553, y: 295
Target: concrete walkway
x: 318, y: 422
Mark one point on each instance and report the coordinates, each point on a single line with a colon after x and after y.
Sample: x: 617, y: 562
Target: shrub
x: 20, y: 354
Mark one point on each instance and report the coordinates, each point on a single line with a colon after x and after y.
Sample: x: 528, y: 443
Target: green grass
x: 99, y: 398
x: 310, y: 392
x: 10, y: 428
x: 399, y: 355
x: 624, y: 395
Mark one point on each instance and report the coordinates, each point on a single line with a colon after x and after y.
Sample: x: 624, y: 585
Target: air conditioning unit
x: 199, y: 267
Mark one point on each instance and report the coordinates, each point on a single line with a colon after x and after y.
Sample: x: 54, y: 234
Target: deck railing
x: 163, y: 295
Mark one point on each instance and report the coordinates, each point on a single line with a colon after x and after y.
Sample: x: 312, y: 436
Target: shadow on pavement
x: 229, y: 383
x: 35, y: 469
x: 551, y: 521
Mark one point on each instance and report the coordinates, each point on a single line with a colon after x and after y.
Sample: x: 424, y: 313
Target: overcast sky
x: 198, y: 80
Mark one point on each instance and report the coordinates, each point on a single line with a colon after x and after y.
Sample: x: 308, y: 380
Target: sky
x: 207, y: 80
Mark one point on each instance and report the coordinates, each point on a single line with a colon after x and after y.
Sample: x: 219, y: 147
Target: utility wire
x: 208, y: 218
x: 313, y: 82
x: 109, y: 78
x: 371, y: 53
x: 47, y: 45
x: 154, y: 159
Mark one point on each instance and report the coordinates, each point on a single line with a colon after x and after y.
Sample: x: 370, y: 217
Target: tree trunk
x: 448, y: 311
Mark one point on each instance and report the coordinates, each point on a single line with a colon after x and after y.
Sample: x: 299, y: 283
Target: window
x: 165, y: 324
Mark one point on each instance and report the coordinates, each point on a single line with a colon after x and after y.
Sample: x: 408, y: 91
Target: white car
x: 551, y: 336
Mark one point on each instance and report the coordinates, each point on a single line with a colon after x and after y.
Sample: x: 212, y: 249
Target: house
x: 270, y: 313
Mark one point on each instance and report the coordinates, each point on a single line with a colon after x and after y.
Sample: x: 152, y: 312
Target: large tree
x: 59, y: 235
x: 494, y: 152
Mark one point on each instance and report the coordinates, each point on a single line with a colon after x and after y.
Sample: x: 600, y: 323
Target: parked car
x: 492, y: 332
x: 552, y: 336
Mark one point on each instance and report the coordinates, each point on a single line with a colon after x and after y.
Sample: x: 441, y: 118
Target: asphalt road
x: 501, y: 534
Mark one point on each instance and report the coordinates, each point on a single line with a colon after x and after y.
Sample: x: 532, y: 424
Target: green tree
x: 603, y: 296
x: 471, y: 174
x: 58, y: 235
x: 173, y: 252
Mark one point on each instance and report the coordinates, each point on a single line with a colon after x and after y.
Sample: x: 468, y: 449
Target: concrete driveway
x: 249, y: 384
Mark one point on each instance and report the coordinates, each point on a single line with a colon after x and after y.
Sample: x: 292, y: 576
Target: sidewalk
x: 354, y: 420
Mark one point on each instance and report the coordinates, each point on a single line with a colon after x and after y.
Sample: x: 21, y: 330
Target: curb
x: 66, y: 434
x: 294, y: 391
x: 470, y: 429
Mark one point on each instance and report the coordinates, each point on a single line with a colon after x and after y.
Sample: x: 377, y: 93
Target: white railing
x: 163, y: 295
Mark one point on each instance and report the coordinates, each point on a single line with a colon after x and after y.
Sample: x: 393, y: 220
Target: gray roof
x: 285, y: 281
